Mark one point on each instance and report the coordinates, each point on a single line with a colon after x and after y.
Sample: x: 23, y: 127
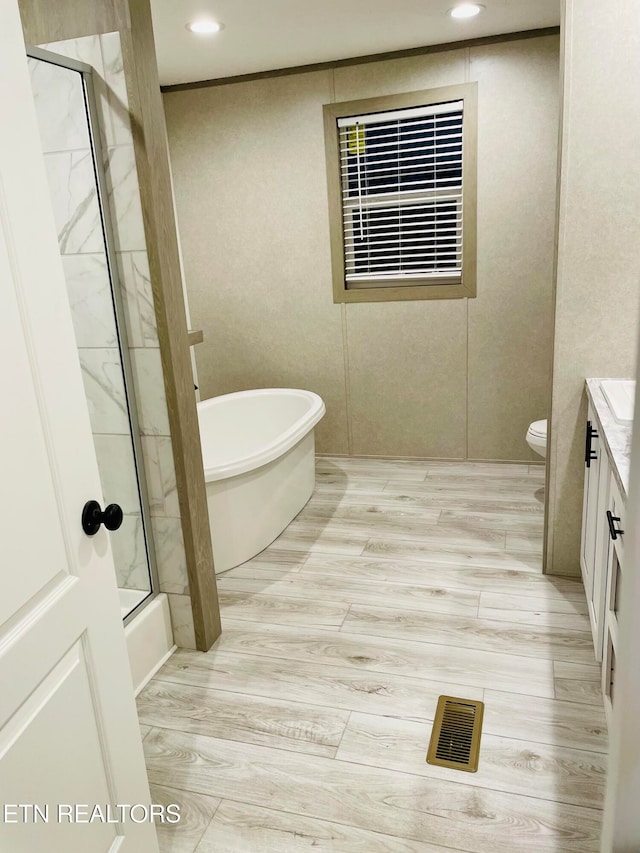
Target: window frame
x: 390, y: 292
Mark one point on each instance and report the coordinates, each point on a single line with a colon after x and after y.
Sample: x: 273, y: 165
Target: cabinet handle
x: 611, y: 521
x: 589, y: 454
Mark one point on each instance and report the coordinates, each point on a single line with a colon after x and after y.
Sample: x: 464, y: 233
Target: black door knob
x: 93, y: 517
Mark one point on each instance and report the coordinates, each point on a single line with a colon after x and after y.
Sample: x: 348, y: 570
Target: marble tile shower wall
x: 69, y: 168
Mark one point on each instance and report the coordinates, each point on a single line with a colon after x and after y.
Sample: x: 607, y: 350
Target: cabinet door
x: 610, y: 604
x: 596, y: 595
x: 590, y: 504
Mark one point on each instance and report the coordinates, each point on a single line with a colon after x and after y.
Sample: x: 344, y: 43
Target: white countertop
x: 616, y: 436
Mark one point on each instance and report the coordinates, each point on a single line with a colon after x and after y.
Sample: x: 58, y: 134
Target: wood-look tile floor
x: 307, y: 725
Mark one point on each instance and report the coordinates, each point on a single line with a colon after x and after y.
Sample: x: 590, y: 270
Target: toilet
x: 537, y: 437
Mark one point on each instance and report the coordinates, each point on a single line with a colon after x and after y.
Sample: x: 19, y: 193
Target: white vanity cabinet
x: 594, y: 548
x: 606, y: 475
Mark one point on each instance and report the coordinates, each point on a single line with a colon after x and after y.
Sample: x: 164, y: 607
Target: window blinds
x: 401, y: 177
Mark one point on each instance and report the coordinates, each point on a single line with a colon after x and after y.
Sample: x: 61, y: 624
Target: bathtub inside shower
x: 258, y: 450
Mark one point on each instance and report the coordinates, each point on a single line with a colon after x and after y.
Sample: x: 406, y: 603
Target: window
x: 402, y: 195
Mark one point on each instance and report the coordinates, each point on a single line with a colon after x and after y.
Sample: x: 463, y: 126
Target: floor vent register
x: 455, y: 738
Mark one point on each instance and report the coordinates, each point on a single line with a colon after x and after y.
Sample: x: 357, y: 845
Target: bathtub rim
x: 267, y: 453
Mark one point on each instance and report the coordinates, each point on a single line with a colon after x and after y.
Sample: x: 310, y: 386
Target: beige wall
x: 449, y: 378
x: 598, y: 276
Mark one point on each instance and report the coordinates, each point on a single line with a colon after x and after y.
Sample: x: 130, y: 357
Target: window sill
x: 404, y: 293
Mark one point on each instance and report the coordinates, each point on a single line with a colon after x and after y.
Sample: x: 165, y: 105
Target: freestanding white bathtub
x: 258, y: 451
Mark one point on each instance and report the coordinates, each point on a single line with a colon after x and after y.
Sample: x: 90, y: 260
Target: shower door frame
x: 86, y: 75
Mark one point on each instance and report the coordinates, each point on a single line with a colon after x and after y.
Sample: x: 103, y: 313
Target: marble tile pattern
x: 617, y: 437
x: 119, y: 124
x: 149, y: 384
x: 130, y: 554
x: 117, y: 471
x: 104, y: 387
x: 75, y: 202
x: 307, y: 724
x: 172, y: 570
x: 138, y: 299
x: 124, y: 197
x: 89, y: 51
x: 182, y: 621
x: 89, y: 289
x: 161, y: 480
x: 59, y: 104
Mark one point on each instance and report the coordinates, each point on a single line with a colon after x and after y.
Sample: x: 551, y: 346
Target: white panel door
x: 68, y: 726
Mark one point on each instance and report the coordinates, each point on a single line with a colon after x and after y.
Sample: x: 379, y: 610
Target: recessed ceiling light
x: 466, y: 10
x: 204, y: 28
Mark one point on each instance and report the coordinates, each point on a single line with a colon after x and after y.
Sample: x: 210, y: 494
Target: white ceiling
x: 262, y: 35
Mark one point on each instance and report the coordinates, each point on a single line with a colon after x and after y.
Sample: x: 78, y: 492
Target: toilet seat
x: 536, y: 437
x: 538, y: 429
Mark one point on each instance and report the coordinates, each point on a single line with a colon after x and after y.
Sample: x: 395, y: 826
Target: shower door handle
x: 93, y: 517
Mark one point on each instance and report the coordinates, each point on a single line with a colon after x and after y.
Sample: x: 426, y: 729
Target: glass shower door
x: 70, y: 135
